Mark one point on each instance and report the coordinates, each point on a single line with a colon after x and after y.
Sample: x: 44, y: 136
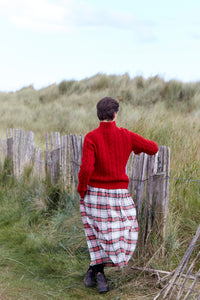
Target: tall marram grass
x: 166, y: 111
x: 44, y: 222
x: 43, y: 250
x: 70, y: 105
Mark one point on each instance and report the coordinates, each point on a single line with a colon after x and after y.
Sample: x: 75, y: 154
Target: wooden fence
x: 60, y: 161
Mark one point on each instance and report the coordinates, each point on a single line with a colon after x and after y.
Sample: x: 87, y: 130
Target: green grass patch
x: 43, y: 250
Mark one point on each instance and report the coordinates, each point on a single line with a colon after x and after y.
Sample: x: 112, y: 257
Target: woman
x: 107, y: 210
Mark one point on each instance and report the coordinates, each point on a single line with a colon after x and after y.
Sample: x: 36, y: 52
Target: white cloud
x: 70, y: 15
x: 95, y: 17
x: 38, y: 15
x: 44, y: 9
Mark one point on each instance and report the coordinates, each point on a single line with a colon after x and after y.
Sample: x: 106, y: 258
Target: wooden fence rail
x: 60, y: 161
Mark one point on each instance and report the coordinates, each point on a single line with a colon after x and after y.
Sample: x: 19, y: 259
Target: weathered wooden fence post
x: 10, y: 153
x: 149, y: 187
x: 47, y: 160
x: 80, y: 148
x: 161, y: 192
x: 158, y: 205
x: 147, y: 224
x: 141, y: 169
x: 21, y: 152
x: 55, y: 166
x: 63, y: 157
x: 68, y: 162
x: 29, y: 147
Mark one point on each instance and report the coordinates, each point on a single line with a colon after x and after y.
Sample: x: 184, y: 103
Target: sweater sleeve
x: 87, y: 166
x: 140, y: 144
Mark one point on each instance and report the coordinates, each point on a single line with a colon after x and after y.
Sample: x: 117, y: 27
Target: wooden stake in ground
x: 169, y: 290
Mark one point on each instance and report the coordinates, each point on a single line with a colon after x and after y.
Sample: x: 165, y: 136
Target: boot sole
x: 89, y: 285
x: 103, y: 291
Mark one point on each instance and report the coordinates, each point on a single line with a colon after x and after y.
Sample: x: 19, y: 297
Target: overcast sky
x: 47, y: 41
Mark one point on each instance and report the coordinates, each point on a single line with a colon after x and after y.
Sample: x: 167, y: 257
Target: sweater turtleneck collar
x: 109, y: 124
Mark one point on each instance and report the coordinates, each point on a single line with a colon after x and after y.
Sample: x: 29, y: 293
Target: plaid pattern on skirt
x: 110, y: 223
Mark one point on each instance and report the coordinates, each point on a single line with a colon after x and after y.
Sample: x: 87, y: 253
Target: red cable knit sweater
x: 105, y: 154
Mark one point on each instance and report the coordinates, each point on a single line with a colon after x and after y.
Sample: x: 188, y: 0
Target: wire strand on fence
x: 184, y: 179
x: 166, y: 177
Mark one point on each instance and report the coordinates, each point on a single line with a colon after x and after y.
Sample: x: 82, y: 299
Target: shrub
x: 48, y: 94
x: 126, y: 96
x: 45, y: 98
x: 139, y: 82
x: 101, y: 82
x: 177, y: 93
x: 65, y: 86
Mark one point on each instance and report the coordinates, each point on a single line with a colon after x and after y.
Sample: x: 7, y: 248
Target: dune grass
x: 44, y: 253
x: 71, y: 105
x: 43, y: 249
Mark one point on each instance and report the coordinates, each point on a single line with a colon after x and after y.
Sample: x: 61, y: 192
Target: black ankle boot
x: 89, y: 279
x: 102, y: 283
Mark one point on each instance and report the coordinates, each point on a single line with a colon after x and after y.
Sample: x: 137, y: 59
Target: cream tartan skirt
x: 110, y: 224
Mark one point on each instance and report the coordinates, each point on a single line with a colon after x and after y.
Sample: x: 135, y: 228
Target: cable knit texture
x: 105, y: 154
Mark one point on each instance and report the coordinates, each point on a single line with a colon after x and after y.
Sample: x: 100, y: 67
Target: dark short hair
x: 106, y: 108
